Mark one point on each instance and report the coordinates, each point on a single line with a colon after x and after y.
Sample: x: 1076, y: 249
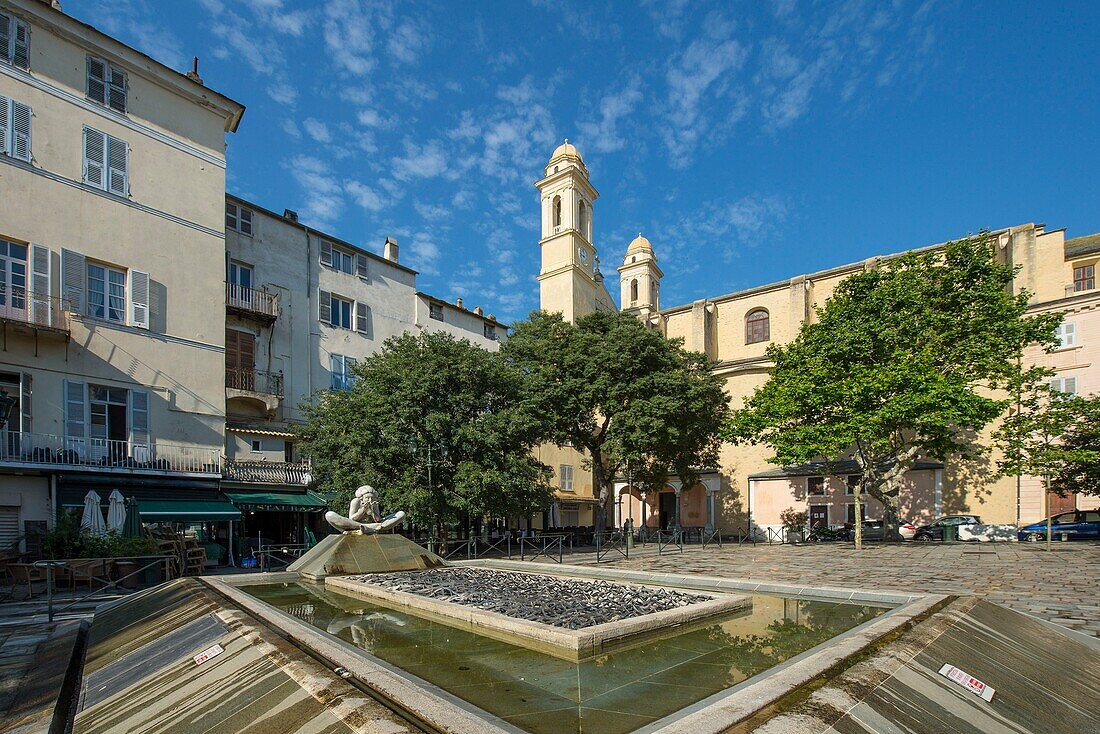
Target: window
x: 1084, y: 278
x: 1068, y: 518
x: 852, y: 481
x: 490, y: 332
x: 757, y: 327
x: 633, y: 291
x: 1066, y: 385
x: 815, y: 486
x: 257, y: 445
x: 565, y: 478
x: 13, y: 280
x: 1066, y: 335
x: 106, y: 84
x: 343, y: 260
x: 342, y: 368
x: 852, y: 513
x: 557, y: 211
x: 106, y: 292
x: 583, y: 219
x: 435, y: 311
x: 106, y: 162
x: 14, y: 41
x: 15, y: 129
x: 240, y: 278
x: 238, y: 219
x: 341, y: 312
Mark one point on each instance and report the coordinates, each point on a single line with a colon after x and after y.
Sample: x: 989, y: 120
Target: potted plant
x: 794, y: 524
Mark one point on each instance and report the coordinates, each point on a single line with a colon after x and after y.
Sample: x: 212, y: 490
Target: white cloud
x: 138, y: 24
x: 283, y: 93
x: 290, y: 127
x: 323, y: 194
x: 425, y: 254
x: 603, y: 134
x: 365, y: 196
x: 349, y: 33
x: 428, y: 161
x: 317, y: 130
x: 408, y: 41
x: 431, y: 212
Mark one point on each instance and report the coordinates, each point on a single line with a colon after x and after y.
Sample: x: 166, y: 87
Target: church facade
x: 735, y: 329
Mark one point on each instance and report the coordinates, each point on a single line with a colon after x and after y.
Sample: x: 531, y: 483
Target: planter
x: 796, y: 536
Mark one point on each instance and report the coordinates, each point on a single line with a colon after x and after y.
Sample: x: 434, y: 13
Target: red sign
x: 967, y: 681
x: 210, y: 652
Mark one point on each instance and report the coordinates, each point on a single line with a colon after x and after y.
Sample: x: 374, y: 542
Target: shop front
x: 291, y: 516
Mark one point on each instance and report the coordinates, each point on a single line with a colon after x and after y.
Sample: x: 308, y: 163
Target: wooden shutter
x: 324, y: 307
x: 9, y: 527
x: 362, y: 322
x: 97, y: 80
x: 361, y: 265
x: 326, y: 253
x: 5, y: 39
x: 25, y: 424
x: 73, y: 271
x: 75, y: 408
x: 41, y: 307
x: 22, y: 56
x: 232, y: 353
x: 139, y: 299
x: 118, y: 165
x: 5, y: 125
x: 20, y: 131
x: 95, y: 151
x: 116, y: 89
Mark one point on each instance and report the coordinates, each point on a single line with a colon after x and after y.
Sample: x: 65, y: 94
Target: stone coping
x: 572, y: 645
x: 697, y: 582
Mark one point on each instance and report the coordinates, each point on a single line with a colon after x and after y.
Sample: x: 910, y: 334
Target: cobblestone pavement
x: 1062, y: 585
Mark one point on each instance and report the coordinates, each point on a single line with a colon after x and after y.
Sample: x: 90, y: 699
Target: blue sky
x: 750, y: 141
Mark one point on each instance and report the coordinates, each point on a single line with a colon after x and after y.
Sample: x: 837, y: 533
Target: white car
x: 907, y: 530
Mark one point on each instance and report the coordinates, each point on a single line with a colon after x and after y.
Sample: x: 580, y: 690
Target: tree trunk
x: 600, y: 479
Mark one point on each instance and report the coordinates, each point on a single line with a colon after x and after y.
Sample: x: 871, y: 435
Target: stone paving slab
x: 1061, y: 586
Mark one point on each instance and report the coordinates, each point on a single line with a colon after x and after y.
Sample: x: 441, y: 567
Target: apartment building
x: 302, y: 307
x: 112, y: 182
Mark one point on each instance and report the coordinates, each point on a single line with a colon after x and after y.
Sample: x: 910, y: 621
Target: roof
x: 461, y: 309
x: 836, y: 468
x: 1080, y: 246
x: 264, y: 428
x: 276, y: 499
x: 639, y: 244
x: 566, y: 150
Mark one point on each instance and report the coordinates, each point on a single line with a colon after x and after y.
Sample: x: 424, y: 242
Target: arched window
x: 582, y: 218
x: 557, y: 211
x: 634, y: 291
x: 757, y: 327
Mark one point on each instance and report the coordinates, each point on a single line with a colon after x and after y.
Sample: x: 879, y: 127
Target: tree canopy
x: 907, y: 360
x: 623, y: 393
x: 438, y: 426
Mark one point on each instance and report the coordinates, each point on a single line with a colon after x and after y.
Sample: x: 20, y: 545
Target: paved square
x: 1062, y: 585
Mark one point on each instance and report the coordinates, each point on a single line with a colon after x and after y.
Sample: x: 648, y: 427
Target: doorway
x: 819, y: 516
x: 667, y: 509
x: 109, y: 431
x: 13, y: 280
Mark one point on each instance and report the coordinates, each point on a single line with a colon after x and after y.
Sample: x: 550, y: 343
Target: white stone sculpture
x: 363, y: 515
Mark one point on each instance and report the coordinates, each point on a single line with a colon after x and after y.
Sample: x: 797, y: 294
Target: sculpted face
x: 366, y: 493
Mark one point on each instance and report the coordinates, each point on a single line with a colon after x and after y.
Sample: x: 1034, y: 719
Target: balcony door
x: 13, y: 281
x: 240, y: 360
x: 108, y: 427
x: 240, y: 285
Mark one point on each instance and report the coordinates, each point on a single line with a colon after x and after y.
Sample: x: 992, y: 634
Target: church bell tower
x: 640, y: 279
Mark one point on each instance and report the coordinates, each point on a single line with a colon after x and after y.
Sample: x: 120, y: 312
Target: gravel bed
x: 568, y: 603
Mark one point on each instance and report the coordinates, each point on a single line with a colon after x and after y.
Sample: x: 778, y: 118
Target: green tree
x: 905, y: 361
x: 437, y: 425
x: 623, y: 393
x: 1053, y: 435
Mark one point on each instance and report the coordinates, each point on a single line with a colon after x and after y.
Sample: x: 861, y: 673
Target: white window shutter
x: 97, y: 80
x: 25, y: 393
x: 95, y: 152
x: 139, y: 417
x: 5, y: 125
x: 361, y: 266
x: 73, y: 271
x: 21, y: 55
x: 1069, y: 385
x: 324, y: 307
x: 139, y: 299
x: 1069, y: 335
x: 116, y: 88
x: 361, y: 320
x: 20, y: 131
x: 41, y: 307
x: 326, y: 253
x: 75, y: 407
x: 118, y: 163
x: 5, y: 37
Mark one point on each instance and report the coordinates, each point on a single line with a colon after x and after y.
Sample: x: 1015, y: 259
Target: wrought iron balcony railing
x: 268, y: 472
x: 21, y: 306
x: 268, y: 383
x: 252, y: 302
x: 100, y: 453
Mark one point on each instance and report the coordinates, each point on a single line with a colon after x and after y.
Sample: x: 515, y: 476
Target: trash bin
x: 951, y: 533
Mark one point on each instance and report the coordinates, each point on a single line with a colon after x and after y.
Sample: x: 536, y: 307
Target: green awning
x: 187, y: 510
x: 286, y: 501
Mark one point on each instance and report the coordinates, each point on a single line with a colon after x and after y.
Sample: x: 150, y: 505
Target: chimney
x: 491, y: 317
x: 389, y: 250
x: 479, y: 310
x: 290, y: 215
x: 193, y: 75
x: 458, y: 302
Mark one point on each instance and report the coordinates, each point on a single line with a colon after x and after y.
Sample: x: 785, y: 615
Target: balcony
x: 256, y: 386
x: 268, y: 472
x: 32, y: 313
x: 37, y: 450
x: 251, y: 303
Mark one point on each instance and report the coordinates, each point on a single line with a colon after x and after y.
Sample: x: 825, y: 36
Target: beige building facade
x: 112, y: 177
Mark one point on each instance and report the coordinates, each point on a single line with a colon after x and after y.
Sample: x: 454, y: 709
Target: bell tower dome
x: 640, y: 278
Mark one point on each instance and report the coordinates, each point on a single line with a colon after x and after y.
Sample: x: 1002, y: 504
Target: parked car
x: 1073, y: 525
x: 876, y: 530
x: 935, y: 529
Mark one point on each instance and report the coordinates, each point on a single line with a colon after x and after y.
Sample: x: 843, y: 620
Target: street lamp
x: 7, y: 402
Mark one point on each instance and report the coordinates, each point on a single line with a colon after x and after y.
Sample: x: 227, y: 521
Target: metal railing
x: 251, y: 300
x: 279, y: 556
x: 610, y: 542
x: 86, y: 575
x: 544, y: 544
x: 673, y: 537
x: 20, y: 305
x: 50, y: 450
x: 267, y: 472
x: 253, y: 380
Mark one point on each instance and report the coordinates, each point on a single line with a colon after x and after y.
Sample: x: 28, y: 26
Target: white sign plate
x: 210, y: 652
x: 967, y: 681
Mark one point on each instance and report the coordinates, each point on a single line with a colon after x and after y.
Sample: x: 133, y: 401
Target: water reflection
x: 615, y: 693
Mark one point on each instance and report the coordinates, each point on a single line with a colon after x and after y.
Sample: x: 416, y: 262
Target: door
x: 667, y: 509
x: 1059, y: 503
x: 240, y: 285
x: 819, y: 516
x: 13, y: 281
x: 240, y: 360
x: 108, y: 429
